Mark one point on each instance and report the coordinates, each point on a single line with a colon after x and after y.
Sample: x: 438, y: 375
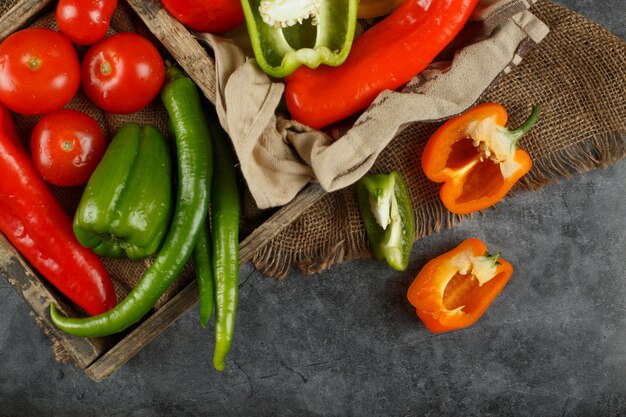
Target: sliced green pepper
x: 387, y: 213
x: 287, y: 34
x: 125, y: 208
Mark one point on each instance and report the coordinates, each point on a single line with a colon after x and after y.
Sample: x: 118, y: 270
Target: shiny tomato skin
x: 39, y: 71
x: 122, y: 73
x: 66, y: 146
x: 84, y: 22
x: 214, y: 16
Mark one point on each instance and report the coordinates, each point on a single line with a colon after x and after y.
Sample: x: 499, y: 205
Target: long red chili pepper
x: 383, y: 58
x: 35, y: 223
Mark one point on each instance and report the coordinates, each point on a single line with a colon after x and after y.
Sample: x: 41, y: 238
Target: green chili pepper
x: 225, y: 235
x: 203, y: 264
x: 387, y: 213
x: 194, y: 154
x: 126, y: 206
x: 287, y: 34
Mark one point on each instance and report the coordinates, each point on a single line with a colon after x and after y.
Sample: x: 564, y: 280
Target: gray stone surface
x: 346, y: 342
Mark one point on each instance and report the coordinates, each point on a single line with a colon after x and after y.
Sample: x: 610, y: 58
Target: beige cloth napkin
x: 278, y: 156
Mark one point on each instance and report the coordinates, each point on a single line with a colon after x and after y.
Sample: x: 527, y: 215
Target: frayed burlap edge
x: 432, y: 217
x: 588, y: 152
x: 599, y: 152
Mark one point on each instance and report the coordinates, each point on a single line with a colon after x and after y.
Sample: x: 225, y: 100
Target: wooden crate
x: 99, y: 357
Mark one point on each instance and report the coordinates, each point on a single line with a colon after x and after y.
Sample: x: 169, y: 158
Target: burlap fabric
x: 279, y: 156
x: 6, y: 5
x: 578, y: 75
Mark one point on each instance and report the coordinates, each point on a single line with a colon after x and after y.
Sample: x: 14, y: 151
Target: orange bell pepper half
x: 476, y: 157
x: 453, y: 290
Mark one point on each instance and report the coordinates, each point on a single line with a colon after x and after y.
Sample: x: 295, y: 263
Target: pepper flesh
x: 126, y: 206
x: 477, y: 158
x: 383, y: 58
x: 453, y: 290
x: 284, y: 36
x: 36, y: 224
x: 387, y: 213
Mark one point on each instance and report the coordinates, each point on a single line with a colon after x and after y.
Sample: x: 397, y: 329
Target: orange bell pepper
x: 453, y: 290
x: 476, y: 157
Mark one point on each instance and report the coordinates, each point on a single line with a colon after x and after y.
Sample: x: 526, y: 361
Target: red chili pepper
x: 36, y: 224
x: 383, y: 58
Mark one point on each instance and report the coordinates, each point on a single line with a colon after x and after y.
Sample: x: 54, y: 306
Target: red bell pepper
x: 453, y: 290
x: 36, y: 224
x: 477, y: 158
x: 383, y: 58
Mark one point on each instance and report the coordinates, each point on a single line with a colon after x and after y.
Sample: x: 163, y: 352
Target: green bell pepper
x: 287, y: 34
x: 387, y: 213
x: 125, y: 208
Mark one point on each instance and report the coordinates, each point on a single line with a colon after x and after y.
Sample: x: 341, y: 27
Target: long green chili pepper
x: 202, y: 260
x: 182, y: 101
x: 225, y: 236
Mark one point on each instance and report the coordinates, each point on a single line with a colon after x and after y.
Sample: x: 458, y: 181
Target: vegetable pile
x: 144, y: 197
x: 132, y: 205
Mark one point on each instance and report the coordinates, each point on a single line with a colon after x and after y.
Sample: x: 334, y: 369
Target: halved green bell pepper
x: 286, y: 34
x: 387, y: 213
x: 125, y: 208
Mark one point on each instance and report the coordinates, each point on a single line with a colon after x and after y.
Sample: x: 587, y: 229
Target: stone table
x: 346, y: 341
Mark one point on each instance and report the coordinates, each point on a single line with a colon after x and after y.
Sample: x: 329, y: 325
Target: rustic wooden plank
x: 144, y: 333
x: 30, y: 287
x: 154, y: 325
x: 279, y: 221
x: 19, y: 15
x: 195, y: 60
x: 180, y: 43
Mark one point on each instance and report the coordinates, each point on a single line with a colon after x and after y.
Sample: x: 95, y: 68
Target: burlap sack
x: 578, y: 75
x: 278, y: 156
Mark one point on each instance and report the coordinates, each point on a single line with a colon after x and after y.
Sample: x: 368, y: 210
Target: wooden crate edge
x: 19, y: 15
x: 31, y: 288
x: 149, y: 329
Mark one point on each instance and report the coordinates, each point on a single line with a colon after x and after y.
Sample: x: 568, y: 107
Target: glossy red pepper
x: 36, y: 224
x: 383, y: 58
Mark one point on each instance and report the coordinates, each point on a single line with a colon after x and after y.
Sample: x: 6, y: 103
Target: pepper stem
x: 517, y: 133
x: 493, y: 258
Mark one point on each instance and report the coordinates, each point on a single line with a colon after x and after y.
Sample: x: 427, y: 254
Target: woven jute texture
x: 6, y: 5
x: 578, y: 76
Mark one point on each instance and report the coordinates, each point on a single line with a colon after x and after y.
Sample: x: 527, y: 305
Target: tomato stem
x: 34, y: 63
x: 105, y: 68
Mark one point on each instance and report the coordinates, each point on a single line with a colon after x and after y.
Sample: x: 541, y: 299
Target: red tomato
x: 123, y: 73
x: 84, y: 21
x: 39, y: 71
x: 214, y: 16
x: 66, y: 146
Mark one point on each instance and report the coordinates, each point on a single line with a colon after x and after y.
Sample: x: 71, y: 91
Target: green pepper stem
x: 172, y: 72
x: 493, y: 258
x: 516, y: 134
